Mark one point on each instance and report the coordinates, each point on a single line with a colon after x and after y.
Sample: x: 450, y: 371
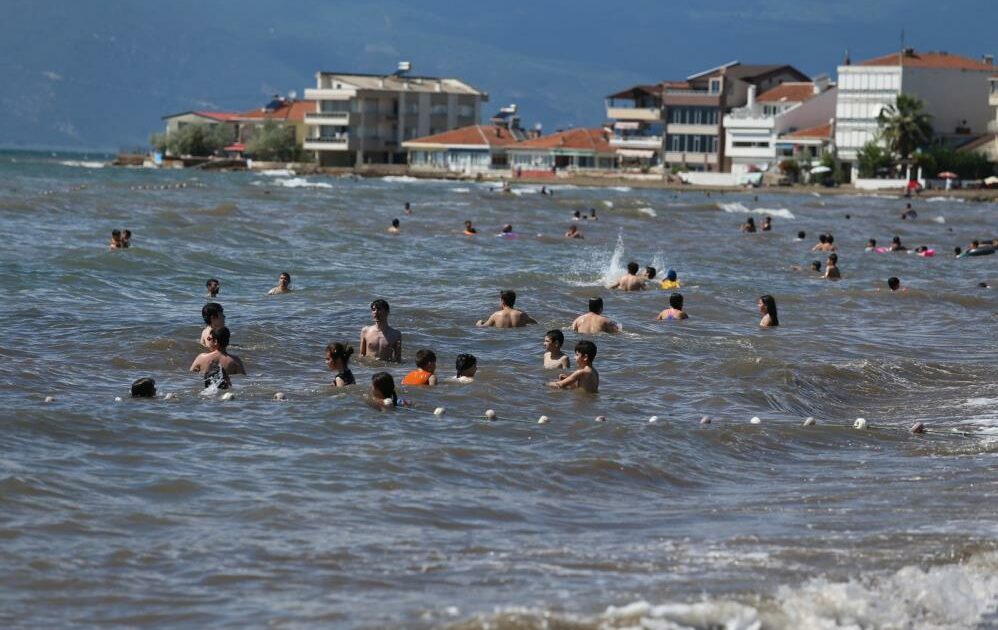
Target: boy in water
x: 767, y: 224
x: 126, y: 238
x: 214, y: 318
x: 585, y: 377
x: 213, y: 286
x: 507, y: 316
x: 394, y: 228
x: 832, y: 268
x: 218, y: 357
x: 469, y: 229
x: 407, y: 209
x: 426, y: 366
x: 116, y: 242
x: 894, y: 284
x: 675, y: 310
x: 554, y: 358
x: 594, y: 322
x: 630, y: 281
x: 283, y: 284
x: 380, y: 340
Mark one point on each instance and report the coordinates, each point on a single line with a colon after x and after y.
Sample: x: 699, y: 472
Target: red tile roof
x: 289, y: 111
x: 821, y: 131
x: 929, y: 60
x: 790, y: 92
x: 472, y: 135
x: 578, y: 139
x: 219, y: 116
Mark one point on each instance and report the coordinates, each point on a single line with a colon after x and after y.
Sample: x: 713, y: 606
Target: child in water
x: 466, y: 366
x: 675, y: 310
x: 585, y: 377
x: 670, y: 282
x: 554, y: 358
x: 337, y: 357
x: 426, y: 366
x: 116, y: 242
x: 383, y: 395
x: 832, y: 268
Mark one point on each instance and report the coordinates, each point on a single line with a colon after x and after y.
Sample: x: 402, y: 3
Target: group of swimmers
x: 120, y: 239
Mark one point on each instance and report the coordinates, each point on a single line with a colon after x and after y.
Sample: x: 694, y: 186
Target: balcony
x: 329, y: 94
x: 691, y: 97
x: 327, y: 118
x: 327, y: 143
x: 636, y: 142
x: 650, y: 114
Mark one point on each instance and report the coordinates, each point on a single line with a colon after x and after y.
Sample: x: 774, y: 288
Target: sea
x: 626, y: 509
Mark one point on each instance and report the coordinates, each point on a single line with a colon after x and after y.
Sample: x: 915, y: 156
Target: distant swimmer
x: 816, y: 266
x: 218, y: 357
x: 214, y: 318
x: 749, y: 225
x: 675, y: 310
x: 407, y: 209
x: 594, y: 322
x: 825, y: 243
x: 573, y: 232
x: 466, y: 366
x: 649, y: 273
x: 767, y: 307
x: 894, y: 284
x: 544, y: 190
x: 585, y: 377
x: 554, y: 358
x: 832, y: 268
x: 871, y: 245
x: 394, y: 227
x: 425, y: 372
x: 577, y: 216
x: 380, y: 340
x: 144, y: 388
x: 126, y: 238
x: 630, y: 281
x: 909, y: 213
x: 337, y: 360
x: 507, y: 316
x: 383, y: 394
x: 283, y: 284
x: 469, y: 229
x: 213, y: 286
x: 116, y: 242
x: 896, y: 245
x: 592, y: 215
x: 507, y: 231
x: 767, y: 224
x: 801, y: 235
x: 671, y: 281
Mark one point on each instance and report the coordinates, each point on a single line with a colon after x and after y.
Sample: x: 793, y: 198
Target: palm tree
x: 905, y: 126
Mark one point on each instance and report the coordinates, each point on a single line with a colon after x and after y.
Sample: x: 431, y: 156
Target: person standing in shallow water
x: 213, y: 286
x: 507, y: 316
x: 379, y: 340
x: 283, y: 284
x: 767, y: 307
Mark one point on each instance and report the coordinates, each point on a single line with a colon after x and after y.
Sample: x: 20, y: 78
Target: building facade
x: 472, y: 149
x: 365, y: 118
x: 635, y: 116
x: 570, y: 150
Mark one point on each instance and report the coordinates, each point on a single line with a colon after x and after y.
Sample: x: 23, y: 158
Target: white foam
x: 83, y: 164
x: 952, y: 199
x: 460, y: 190
x: 607, y: 203
x: 736, y: 207
x: 404, y: 179
x: 294, y: 182
x: 620, y: 188
x: 939, y: 219
x: 278, y: 172
x: 648, y: 212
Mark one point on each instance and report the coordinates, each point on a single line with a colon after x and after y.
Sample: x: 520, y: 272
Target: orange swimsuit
x: 419, y: 376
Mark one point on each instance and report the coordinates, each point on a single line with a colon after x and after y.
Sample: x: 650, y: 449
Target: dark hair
x: 395, y: 222
x: 750, y: 221
x: 632, y: 267
x: 957, y: 251
x: 871, y: 243
x: 425, y: 357
x: 893, y: 283
x: 768, y: 219
x: 116, y: 232
x: 770, y: 304
x: 831, y: 239
x: 975, y: 244
x: 676, y: 301
x: 407, y: 204
x: 285, y: 273
x: 596, y: 305
x: 816, y: 265
x: 380, y: 305
x: 211, y: 309
x: 127, y: 233
x: 833, y: 258
x: 556, y: 336
x: 340, y: 351
x: 384, y: 383
x: 896, y: 239
x: 822, y: 238
x: 577, y: 214
x: 801, y: 234
x: 508, y: 297
x: 222, y: 337
x: 144, y: 388
x: 650, y: 271
x: 464, y: 362
x: 586, y: 348
x: 210, y: 280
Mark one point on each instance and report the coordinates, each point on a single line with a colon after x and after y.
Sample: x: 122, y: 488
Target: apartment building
x: 953, y: 88
x: 364, y: 118
x: 635, y: 116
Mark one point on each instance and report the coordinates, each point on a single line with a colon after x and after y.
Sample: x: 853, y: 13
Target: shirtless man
x: 507, y: 316
x: 283, y: 284
x: 394, y: 228
x: 214, y: 318
x: 205, y: 363
x: 379, y: 340
x: 630, y: 281
x: 594, y: 322
x: 585, y: 377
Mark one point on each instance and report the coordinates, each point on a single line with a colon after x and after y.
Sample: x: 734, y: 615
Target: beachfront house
x: 694, y: 109
x: 471, y: 149
x: 987, y: 145
x: 764, y: 132
x: 284, y: 111
x: 635, y: 116
x: 570, y: 150
x: 365, y: 118
x: 176, y: 122
x: 953, y: 88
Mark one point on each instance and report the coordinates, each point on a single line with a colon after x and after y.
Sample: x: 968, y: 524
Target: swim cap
x: 671, y: 274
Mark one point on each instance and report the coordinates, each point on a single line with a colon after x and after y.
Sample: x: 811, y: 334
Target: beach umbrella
x: 820, y: 169
x: 991, y: 181
x: 947, y: 175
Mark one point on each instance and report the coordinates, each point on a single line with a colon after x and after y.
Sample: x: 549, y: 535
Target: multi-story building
x: 694, y: 109
x: 756, y: 136
x: 953, y: 88
x: 365, y: 118
x: 635, y: 116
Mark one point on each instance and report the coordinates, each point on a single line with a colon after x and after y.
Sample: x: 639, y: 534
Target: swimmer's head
x: 650, y: 272
x: 893, y: 283
x: 767, y: 306
x: 116, y: 234
x: 577, y: 214
x: 831, y: 239
x: 750, y: 221
x: 212, y: 284
x: 896, y: 240
x: 833, y: 259
x: 848, y: 216
x: 338, y: 352
x: 983, y: 285
x: 284, y: 279
x: 467, y: 224
x: 407, y: 205
x: 395, y: 223
x: 466, y: 365
x: 554, y: 337
x: 212, y: 311
x: 596, y: 305
x: 507, y: 298
x: 426, y: 359
x: 144, y: 388
x: 220, y: 337
x: 632, y: 268
x: 671, y: 275
x: 676, y: 301
x: 957, y: 251
x: 822, y: 238
x: 871, y: 243
x: 767, y: 220
x: 975, y: 244
x: 127, y: 234
x: 383, y: 386
x: 379, y: 308
x: 816, y: 265
x: 587, y: 349
x: 508, y: 228
x: 802, y: 235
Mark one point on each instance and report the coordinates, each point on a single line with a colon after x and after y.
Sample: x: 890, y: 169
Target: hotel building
x: 635, y: 116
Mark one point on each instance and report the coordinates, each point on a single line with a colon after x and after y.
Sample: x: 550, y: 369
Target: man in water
x: 116, y: 242
x: 407, y: 209
x: 507, y: 316
x: 214, y: 318
x: 217, y: 364
x: 283, y: 284
x: 379, y: 340
x: 213, y: 286
x: 594, y: 322
x: 395, y: 228
x: 573, y: 232
x: 630, y: 281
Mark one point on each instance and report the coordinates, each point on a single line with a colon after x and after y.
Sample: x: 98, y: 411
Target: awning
x: 237, y: 147
x: 626, y: 124
x: 636, y: 153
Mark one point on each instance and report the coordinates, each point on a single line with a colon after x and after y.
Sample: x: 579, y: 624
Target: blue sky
x: 99, y: 74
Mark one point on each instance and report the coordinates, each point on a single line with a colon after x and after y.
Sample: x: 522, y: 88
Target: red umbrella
x: 947, y: 175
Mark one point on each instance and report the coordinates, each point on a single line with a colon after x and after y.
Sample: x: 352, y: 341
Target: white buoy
x: 755, y: 420
x: 600, y: 418
x: 653, y: 420
x: 169, y: 396
x: 542, y: 420
x: 388, y: 402
x: 859, y: 424
x: 490, y: 414
x: 228, y: 396
x: 50, y: 399
x: 280, y: 396
x: 117, y: 399
x: 439, y: 411
x: 704, y: 419
x: 809, y: 421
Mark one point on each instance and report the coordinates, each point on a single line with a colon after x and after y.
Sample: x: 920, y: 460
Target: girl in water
x: 767, y: 307
x: 467, y: 366
x: 383, y: 394
x: 337, y: 359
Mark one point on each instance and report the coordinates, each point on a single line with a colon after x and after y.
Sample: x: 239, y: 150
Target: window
x: 715, y: 86
x: 696, y: 144
x: 467, y: 110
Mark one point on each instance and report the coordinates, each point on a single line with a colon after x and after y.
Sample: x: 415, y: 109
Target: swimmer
x: 554, y: 358
x: 957, y: 251
x: 573, y: 232
x: 469, y: 229
x: 594, y: 322
x: 649, y: 273
x: 983, y: 285
x: 507, y: 231
x: 382, y: 389
x: 767, y: 224
x: 426, y: 366
x: 116, y: 239
x: 544, y: 190
x: 576, y: 216
x: 767, y: 307
x: 675, y: 310
x: 466, y: 366
x: 337, y: 359
x: 214, y: 318
x: 144, y: 388
x: 670, y: 282
x: 894, y: 284
x: 871, y: 245
x: 394, y: 227
x: 217, y: 355
x: 749, y: 226
x: 816, y: 266
x: 592, y: 215
x: 896, y: 245
x: 824, y: 244
x: 283, y: 284
x: 126, y: 238
x: 380, y: 340
x: 213, y: 286
x: 407, y: 209
x: 630, y: 281
x: 801, y: 235
x: 832, y: 268
x: 507, y: 316
x: 585, y: 377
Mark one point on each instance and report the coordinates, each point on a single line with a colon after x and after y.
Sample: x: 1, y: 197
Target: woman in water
x: 383, y: 394
x: 896, y: 245
x: 466, y: 366
x: 749, y: 225
x: 337, y: 359
x: 767, y: 307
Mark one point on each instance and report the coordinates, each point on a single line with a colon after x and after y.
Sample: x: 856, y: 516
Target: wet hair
x: 770, y: 304
x: 822, y: 238
x: 380, y: 305
x: 127, y: 233
x: 650, y: 271
x: 210, y: 280
x: 221, y: 337
x: 587, y: 349
x: 407, y: 204
x: 210, y: 310
x: 592, y: 212
x: 816, y: 265
x: 508, y: 297
x: 425, y: 357
x: 464, y: 362
x: 768, y: 220
x: 831, y: 239
x: 802, y: 234
x: 577, y: 214
x: 671, y: 275
x: 285, y: 274
x: 833, y: 258
x: 896, y: 239
x: 848, y: 216
x: 983, y: 285
x: 144, y: 388
x: 556, y: 336
x: 893, y: 283
x: 750, y: 221
x: 395, y: 222
x: 596, y: 305
x: 871, y: 243
x: 467, y: 224
x: 384, y: 383
x: 632, y: 267
x: 676, y: 301
x: 116, y: 232
x: 957, y: 251
x: 975, y: 244
x: 340, y: 351
x: 506, y: 229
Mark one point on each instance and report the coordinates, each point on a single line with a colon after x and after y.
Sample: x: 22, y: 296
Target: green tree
x: 904, y: 125
x: 872, y: 158
x: 200, y: 140
x: 158, y: 141
x: 274, y: 142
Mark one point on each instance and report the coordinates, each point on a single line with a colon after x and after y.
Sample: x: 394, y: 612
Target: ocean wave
x: 942, y: 199
x: 648, y: 212
x: 460, y: 190
x: 83, y: 164
x: 277, y: 172
x: 294, y: 182
x: 736, y: 207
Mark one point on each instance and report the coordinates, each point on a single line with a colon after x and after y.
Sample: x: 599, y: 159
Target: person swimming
x: 425, y: 372
x: 675, y: 310
x: 832, y: 268
x: 896, y: 245
x: 801, y: 235
x: 395, y: 227
x: 871, y: 245
x: 383, y: 394
x: 283, y: 284
x: 466, y: 366
x: 337, y: 359
x: 573, y: 232
x: 749, y: 225
x: 144, y: 388
x: 767, y: 307
x: 671, y: 281
x: 507, y: 231
x: 767, y: 224
x: 469, y: 229
x: 630, y: 281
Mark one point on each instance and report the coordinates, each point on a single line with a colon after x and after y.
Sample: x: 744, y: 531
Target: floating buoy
x: 169, y: 396
x: 280, y: 396
x: 50, y: 399
x: 918, y: 427
x: 809, y: 421
x: 653, y: 420
x: 228, y: 396
x: 490, y: 414
x: 755, y: 420
x: 600, y: 418
x: 704, y: 419
x: 859, y: 424
x: 117, y: 399
x: 439, y: 411
x: 542, y: 420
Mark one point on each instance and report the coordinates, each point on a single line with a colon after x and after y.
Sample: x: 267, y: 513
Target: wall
x: 951, y: 96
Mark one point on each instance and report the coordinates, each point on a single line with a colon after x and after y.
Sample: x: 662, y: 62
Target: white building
x: 635, y: 115
x: 954, y: 89
x: 365, y: 118
x: 755, y: 134
x: 472, y: 149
